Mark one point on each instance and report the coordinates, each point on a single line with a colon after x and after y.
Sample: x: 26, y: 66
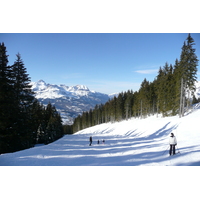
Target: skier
x: 172, y: 143
x: 90, y: 140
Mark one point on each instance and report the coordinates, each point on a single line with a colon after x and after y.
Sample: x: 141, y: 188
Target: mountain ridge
x: 70, y: 101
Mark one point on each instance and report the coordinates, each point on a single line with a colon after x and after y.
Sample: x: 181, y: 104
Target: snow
x: 136, y: 142
x: 197, y: 92
x: 44, y: 90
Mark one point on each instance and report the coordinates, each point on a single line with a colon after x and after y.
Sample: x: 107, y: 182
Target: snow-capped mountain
x: 69, y: 101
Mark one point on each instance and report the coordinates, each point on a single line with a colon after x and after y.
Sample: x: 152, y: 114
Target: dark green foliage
x: 7, y: 103
x: 67, y: 129
x: 23, y: 121
x: 187, y: 72
x: 120, y: 107
x: 195, y: 100
x: 165, y: 95
x: 165, y: 90
x: 54, y: 129
x: 49, y: 127
x: 23, y: 102
x: 144, y: 98
x: 128, y: 103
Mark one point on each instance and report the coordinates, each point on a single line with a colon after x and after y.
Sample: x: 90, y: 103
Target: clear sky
x: 105, y: 62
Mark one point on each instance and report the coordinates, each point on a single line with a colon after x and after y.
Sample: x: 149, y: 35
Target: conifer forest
x: 169, y: 94
x: 25, y: 122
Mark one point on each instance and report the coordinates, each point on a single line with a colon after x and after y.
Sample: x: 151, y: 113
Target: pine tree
x: 153, y: 98
x: 7, y: 103
x: 192, y: 63
x: 168, y: 87
x: 50, y: 130
x: 128, y: 103
x: 50, y: 124
x: 187, y: 69
x: 36, y: 113
x: 112, y: 109
x: 144, y: 98
x: 177, y: 87
x: 136, y: 108
x: 192, y: 68
x: 22, y: 87
x: 106, y: 111
x: 120, y: 107
x: 23, y: 100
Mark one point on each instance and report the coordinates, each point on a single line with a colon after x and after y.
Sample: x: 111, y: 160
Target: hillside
x: 134, y: 142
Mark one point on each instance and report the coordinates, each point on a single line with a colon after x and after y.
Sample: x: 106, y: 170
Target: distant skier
x: 172, y: 143
x: 98, y: 142
x: 90, y: 140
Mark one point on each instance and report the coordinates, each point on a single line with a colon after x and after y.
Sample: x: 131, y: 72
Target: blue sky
x: 104, y: 62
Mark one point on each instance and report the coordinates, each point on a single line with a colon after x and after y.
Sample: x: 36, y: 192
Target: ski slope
x: 136, y: 142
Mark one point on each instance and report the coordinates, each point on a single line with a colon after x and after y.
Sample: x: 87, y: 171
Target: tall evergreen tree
x: 136, y: 108
x: 24, y: 99
x: 192, y: 63
x: 120, y: 107
x: 22, y: 87
x: 177, y: 86
x: 50, y: 125
x: 188, y: 70
x: 7, y: 102
x: 128, y: 103
x: 37, y: 118
x: 144, y: 98
x: 112, y: 110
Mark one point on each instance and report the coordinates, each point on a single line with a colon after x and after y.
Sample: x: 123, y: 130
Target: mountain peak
x: 39, y: 85
x: 41, y: 81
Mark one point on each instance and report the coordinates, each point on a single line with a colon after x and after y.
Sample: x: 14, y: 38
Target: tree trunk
x: 181, y: 99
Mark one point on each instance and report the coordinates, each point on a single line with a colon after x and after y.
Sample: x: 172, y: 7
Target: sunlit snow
x: 136, y: 142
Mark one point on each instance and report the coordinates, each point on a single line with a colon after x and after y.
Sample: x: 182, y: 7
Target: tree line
x: 24, y: 122
x: 169, y: 94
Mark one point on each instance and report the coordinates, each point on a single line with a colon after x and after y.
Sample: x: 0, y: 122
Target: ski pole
x: 165, y: 150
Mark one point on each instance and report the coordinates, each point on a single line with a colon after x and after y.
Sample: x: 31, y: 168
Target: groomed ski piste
x: 135, y: 142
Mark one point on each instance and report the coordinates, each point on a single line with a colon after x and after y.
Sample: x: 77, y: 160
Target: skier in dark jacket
x: 172, y: 143
x: 90, y: 140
